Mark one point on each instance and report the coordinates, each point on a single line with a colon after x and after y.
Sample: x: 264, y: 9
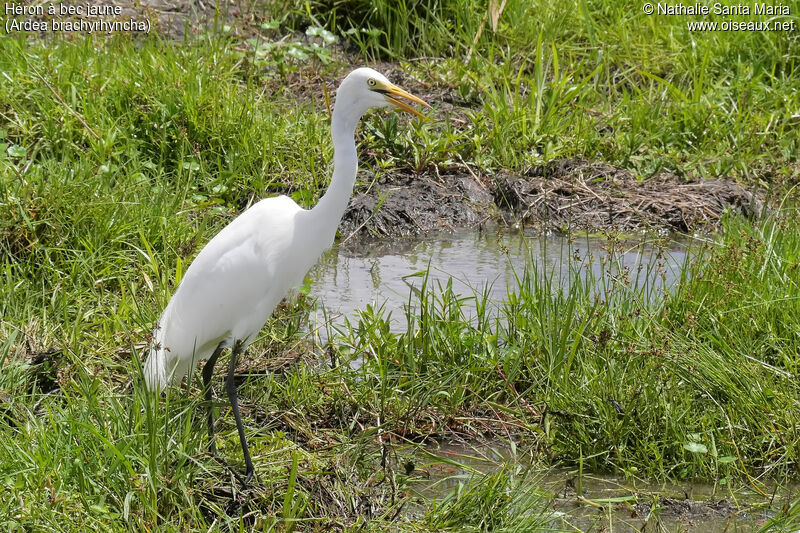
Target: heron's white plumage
x: 230, y: 289
x: 236, y: 281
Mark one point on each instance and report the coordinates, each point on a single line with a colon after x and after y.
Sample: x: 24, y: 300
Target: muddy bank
x: 690, y: 510
x: 412, y: 205
x: 566, y: 194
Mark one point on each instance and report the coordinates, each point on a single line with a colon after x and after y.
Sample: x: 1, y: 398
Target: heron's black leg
x: 230, y: 386
x: 208, y: 371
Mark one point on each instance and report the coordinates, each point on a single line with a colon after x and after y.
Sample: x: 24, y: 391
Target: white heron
x: 236, y: 281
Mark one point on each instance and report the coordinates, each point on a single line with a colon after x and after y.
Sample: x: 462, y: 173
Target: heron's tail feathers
x: 155, y: 369
x: 170, y: 359
x: 159, y: 366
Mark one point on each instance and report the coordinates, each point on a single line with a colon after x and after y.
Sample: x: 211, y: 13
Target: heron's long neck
x: 345, y: 165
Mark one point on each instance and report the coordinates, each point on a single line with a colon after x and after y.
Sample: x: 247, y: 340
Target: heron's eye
x: 371, y: 82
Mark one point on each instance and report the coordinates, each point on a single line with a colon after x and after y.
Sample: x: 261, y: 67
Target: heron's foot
x: 249, y: 475
x: 233, y: 470
x: 248, y: 478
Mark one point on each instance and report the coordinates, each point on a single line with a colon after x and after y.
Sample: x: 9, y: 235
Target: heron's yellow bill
x: 393, y: 92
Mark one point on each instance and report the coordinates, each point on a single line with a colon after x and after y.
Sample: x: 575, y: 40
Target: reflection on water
x: 347, y: 280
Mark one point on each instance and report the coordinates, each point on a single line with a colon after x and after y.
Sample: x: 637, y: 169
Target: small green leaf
x: 325, y: 35
x: 695, y: 447
x: 191, y: 165
x: 297, y: 53
x: 727, y: 459
x: 16, y: 151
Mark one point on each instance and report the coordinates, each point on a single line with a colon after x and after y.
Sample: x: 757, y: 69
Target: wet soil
x: 689, y: 510
x: 408, y: 205
x: 606, y: 502
x: 570, y: 193
x: 663, y: 514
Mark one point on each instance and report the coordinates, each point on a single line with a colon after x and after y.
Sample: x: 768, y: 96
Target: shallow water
x: 347, y: 279
x: 607, y: 502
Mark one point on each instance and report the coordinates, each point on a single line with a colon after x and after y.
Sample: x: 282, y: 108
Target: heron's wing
x: 236, y: 280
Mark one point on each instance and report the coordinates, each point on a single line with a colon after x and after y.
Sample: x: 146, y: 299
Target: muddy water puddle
x: 575, y: 501
x: 388, y: 274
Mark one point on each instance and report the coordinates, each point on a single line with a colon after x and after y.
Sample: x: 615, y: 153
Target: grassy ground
x: 95, y: 227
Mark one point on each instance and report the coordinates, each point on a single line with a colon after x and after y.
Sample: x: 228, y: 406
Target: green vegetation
x: 97, y: 224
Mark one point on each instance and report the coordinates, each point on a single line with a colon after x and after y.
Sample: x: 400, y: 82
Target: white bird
x: 236, y: 281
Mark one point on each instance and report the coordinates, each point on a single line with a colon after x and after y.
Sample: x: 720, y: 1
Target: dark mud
x: 412, y: 205
x: 689, y: 510
x: 566, y: 194
x: 662, y: 514
x: 599, y: 196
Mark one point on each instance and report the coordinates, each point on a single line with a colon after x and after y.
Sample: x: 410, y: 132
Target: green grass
x: 700, y: 383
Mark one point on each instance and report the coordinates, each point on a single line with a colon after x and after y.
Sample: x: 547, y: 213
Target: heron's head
x: 365, y: 88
